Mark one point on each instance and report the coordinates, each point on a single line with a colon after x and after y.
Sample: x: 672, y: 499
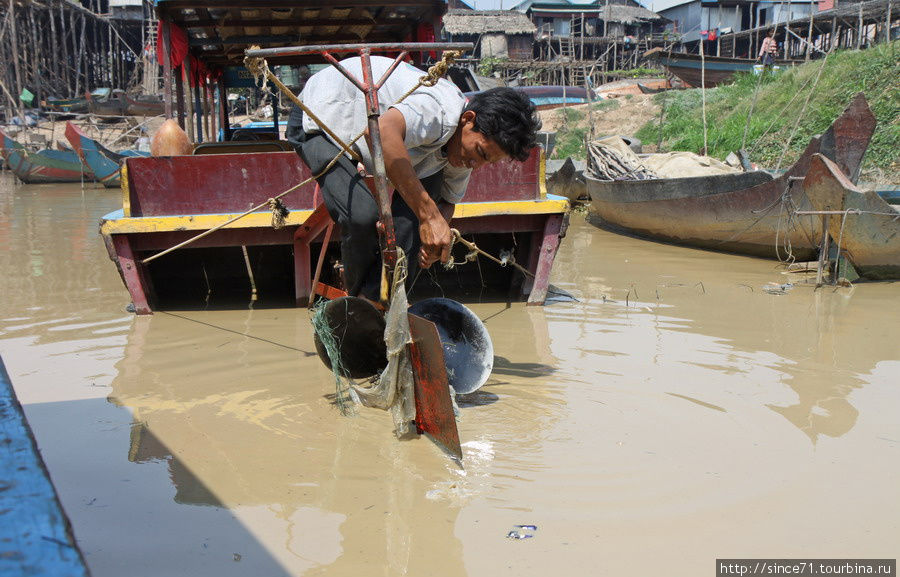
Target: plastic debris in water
x: 774, y: 288
x: 521, y: 532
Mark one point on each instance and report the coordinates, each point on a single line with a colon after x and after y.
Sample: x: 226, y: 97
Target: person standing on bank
x: 432, y: 141
x: 768, y: 49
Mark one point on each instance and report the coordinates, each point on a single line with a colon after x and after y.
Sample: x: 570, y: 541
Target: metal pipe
x: 344, y: 48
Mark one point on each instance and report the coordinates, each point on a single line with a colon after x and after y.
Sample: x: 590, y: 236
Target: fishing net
x: 392, y: 390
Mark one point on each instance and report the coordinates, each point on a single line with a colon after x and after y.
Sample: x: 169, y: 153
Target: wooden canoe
x: 43, y: 166
x: 747, y: 213
x: 103, y: 163
x: 718, y: 69
x: 868, y: 234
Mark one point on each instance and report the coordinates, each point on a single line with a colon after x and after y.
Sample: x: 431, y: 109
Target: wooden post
x: 204, y: 107
x: 167, y: 67
x: 79, y: 57
x: 198, y: 106
x: 67, y: 81
x: 754, y: 24
x: 823, y: 252
x: 859, y: 32
x: 180, y: 89
x: 223, y: 110
x: 15, y: 58
x: 581, y: 56
x: 38, y: 55
x: 809, y: 46
x: 605, y: 17
x: 834, y: 33
x: 734, y: 27
x: 887, y: 23
x: 186, y: 73
x: 703, y: 93
x: 718, y: 23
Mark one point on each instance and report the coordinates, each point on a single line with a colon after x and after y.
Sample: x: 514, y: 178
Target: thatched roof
x: 462, y: 22
x: 628, y: 14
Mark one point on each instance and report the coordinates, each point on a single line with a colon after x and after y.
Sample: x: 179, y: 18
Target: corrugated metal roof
x: 220, y: 30
x: 486, y: 21
x: 614, y: 12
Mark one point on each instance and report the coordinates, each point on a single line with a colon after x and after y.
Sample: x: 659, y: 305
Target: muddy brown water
x: 674, y: 415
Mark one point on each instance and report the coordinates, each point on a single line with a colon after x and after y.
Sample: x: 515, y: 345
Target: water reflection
x: 673, y: 394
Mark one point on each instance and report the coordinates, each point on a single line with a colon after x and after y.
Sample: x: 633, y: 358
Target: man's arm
x: 434, y: 230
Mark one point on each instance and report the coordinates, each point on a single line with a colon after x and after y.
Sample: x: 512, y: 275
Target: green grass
x: 570, y: 136
x: 779, y: 110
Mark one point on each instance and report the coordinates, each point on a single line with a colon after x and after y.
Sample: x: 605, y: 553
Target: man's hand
x: 436, y: 240
x: 434, y: 231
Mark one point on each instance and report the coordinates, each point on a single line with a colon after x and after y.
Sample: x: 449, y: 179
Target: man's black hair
x: 507, y: 117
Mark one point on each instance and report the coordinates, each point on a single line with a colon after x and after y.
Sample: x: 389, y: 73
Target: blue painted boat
x: 34, y: 529
x: 104, y: 163
x: 46, y: 165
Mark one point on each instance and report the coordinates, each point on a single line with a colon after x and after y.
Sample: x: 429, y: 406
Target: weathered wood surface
x: 869, y: 234
x: 746, y: 213
x: 35, y: 535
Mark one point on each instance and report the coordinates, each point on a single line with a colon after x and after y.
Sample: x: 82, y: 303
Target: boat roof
x: 219, y: 31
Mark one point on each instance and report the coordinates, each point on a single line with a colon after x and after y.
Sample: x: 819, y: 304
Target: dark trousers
x: 353, y: 207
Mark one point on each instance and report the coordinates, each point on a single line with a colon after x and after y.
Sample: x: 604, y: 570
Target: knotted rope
x: 506, y: 259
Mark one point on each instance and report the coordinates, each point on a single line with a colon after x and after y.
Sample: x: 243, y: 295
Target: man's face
x: 471, y: 149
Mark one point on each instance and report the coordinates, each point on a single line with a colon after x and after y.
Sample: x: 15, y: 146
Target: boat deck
x: 169, y: 200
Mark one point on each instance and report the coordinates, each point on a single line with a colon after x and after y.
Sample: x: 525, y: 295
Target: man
x: 768, y: 49
x: 431, y: 142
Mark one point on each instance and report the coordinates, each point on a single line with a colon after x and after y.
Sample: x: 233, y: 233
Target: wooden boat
x: 718, y: 69
x: 46, y: 165
x: 36, y: 529
x: 106, y: 102
x: 747, y: 213
x: 168, y: 200
x: 65, y: 105
x: 549, y: 97
x: 144, y: 105
x: 865, y: 227
x: 103, y: 163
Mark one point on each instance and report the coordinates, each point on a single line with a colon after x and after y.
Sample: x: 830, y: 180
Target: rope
x: 259, y: 67
x: 812, y: 89
x: 474, y: 251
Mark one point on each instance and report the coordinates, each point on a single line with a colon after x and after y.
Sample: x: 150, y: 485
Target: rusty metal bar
x: 344, y: 48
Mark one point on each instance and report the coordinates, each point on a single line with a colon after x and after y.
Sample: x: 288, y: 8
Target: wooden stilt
x: 167, y: 66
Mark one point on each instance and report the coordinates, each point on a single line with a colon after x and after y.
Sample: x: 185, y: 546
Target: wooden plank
x: 434, y: 408
x: 215, y: 183
x: 35, y: 534
x: 131, y: 275
x: 506, y: 180
x: 554, y: 230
